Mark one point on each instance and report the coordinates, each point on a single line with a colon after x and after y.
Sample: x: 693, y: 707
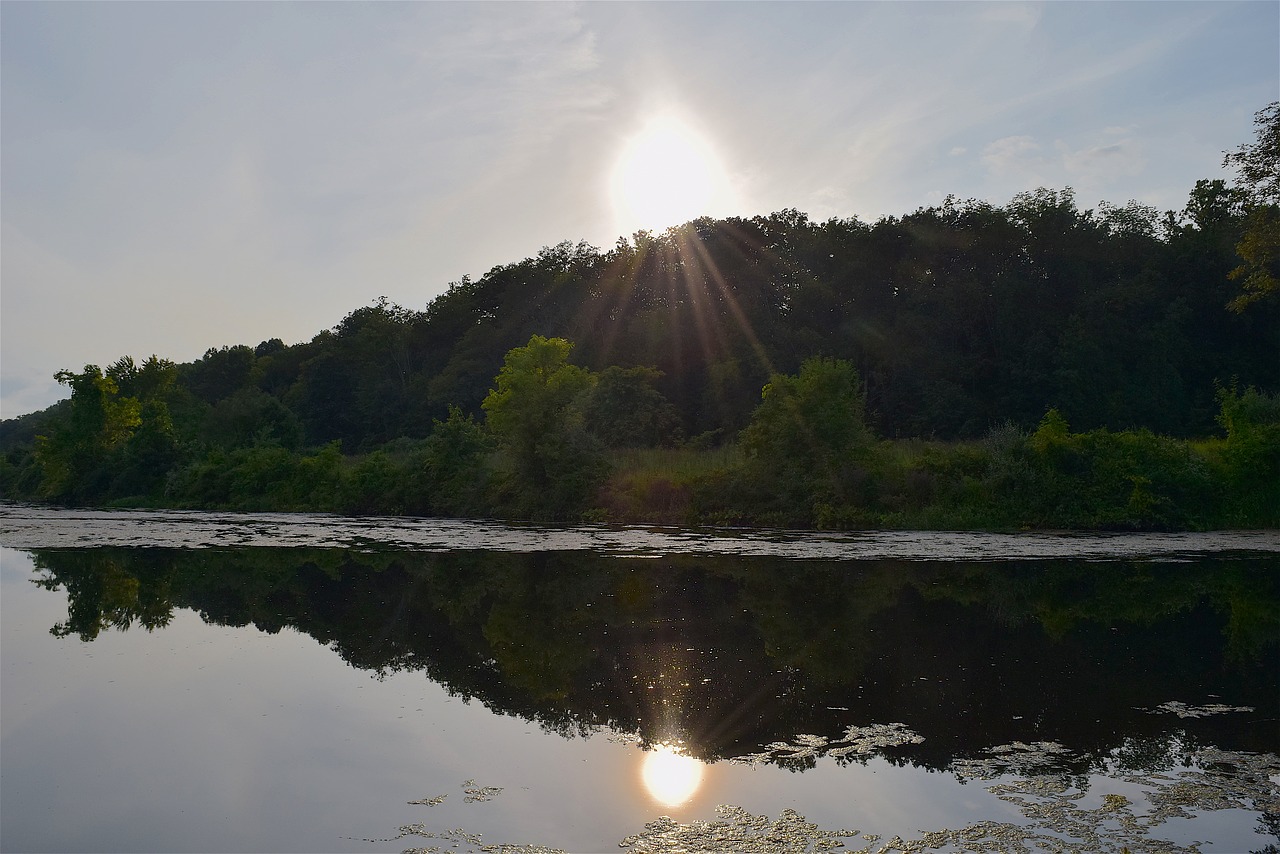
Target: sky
x: 180, y: 176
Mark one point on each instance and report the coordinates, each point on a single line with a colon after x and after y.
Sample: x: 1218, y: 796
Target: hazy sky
x: 179, y: 176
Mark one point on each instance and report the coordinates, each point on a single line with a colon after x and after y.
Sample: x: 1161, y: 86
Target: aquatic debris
x: 476, y: 794
x: 739, y: 831
x: 868, y: 739
x: 1053, y: 819
x: 856, y: 740
x: 458, y: 837
x: 1018, y: 757
x: 1182, y: 710
x: 1059, y: 827
x: 1221, y: 780
x: 429, y: 802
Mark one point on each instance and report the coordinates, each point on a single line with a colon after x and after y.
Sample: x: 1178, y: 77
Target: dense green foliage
x: 803, y: 438
x: 1258, y: 164
x: 1046, y: 478
x: 964, y: 323
x: 807, y: 458
x: 535, y: 414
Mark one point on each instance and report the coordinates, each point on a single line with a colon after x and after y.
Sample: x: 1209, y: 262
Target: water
x: 32, y: 527
x: 198, y: 682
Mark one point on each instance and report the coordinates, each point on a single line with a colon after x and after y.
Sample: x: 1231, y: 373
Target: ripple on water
x: 29, y: 527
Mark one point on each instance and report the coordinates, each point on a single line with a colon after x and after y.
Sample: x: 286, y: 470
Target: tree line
x: 961, y: 322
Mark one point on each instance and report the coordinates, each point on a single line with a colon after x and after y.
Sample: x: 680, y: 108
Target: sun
x: 666, y: 175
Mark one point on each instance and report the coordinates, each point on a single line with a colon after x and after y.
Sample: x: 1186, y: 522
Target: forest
x: 969, y: 365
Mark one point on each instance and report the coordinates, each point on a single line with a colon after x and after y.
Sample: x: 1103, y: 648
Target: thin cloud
x: 1024, y: 15
x: 1098, y: 163
x: 1011, y: 153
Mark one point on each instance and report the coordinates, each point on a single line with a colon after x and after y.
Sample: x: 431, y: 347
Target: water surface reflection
x: 1121, y: 703
x: 670, y: 776
x: 730, y: 654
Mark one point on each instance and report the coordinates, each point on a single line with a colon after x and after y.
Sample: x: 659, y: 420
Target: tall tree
x: 624, y: 410
x: 807, y: 430
x: 73, y: 455
x: 1258, y: 165
x: 534, y: 414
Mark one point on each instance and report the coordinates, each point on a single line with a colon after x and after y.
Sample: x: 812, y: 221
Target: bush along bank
x: 559, y: 443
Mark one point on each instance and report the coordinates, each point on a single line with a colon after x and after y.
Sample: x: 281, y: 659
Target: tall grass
x: 656, y: 485
x: 677, y: 464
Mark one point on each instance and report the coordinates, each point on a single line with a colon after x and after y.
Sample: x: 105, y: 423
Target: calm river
x: 174, y: 681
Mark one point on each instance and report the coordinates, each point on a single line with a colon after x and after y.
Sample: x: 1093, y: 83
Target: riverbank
x: 1050, y: 479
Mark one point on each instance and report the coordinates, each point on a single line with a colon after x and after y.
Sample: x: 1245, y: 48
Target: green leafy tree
x: 72, y: 456
x: 375, y: 485
x: 1258, y: 164
x: 152, y: 449
x: 1259, y: 247
x: 1214, y: 206
x: 1101, y: 479
x: 220, y: 372
x: 453, y: 471
x: 533, y: 412
x: 250, y: 416
x: 812, y: 418
x: 149, y: 453
x: 1252, y: 454
x: 807, y: 430
x: 625, y: 410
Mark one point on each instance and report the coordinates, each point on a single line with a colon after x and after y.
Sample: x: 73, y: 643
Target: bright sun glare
x: 670, y: 777
x: 667, y: 175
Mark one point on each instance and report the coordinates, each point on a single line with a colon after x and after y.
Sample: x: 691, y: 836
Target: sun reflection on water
x: 671, y: 777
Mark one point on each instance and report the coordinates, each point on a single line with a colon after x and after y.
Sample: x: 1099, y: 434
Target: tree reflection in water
x: 727, y: 655
x: 1028, y: 675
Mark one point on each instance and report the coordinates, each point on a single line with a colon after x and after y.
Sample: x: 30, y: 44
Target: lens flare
x: 667, y: 175
x: 671, y: 778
